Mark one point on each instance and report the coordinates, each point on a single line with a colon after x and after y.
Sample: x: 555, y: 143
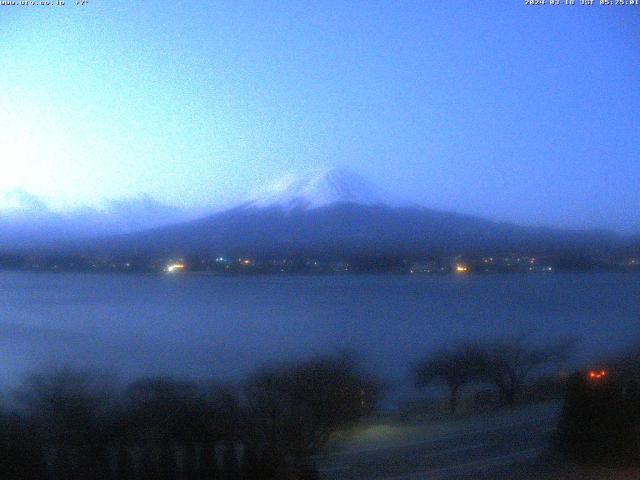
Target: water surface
x: 222, y: 327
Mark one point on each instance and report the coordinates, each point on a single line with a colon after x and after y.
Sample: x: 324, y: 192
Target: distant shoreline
x: 316, y: 274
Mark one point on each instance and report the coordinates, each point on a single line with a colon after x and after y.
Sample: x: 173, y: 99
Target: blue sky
x: 526, y: 114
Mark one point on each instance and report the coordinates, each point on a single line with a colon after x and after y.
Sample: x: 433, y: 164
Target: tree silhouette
x: 292, y: 410
x: 21, y: 455
x: 600, y: 423
x: 74, y: 424
x: 509, y: 363
x: 164, y: 414
x: 454, y: 367
x: 70, y: 411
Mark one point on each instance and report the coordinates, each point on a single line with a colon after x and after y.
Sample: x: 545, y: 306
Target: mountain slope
x: 344, y: 228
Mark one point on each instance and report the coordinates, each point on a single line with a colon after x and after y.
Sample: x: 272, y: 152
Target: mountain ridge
x: 335, y: 212
x: 345, y: 228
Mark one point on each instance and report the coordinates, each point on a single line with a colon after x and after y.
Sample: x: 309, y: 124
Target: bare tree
x: 292, y: 410
x: 454, y: 367
x: 510, y: 363
x: 166, y: 415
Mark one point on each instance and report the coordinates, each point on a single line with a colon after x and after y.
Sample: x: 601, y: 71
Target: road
x: 498, y: 445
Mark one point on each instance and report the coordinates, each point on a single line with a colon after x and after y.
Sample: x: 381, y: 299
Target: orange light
x: 596, y: 374
x: 175, y: 267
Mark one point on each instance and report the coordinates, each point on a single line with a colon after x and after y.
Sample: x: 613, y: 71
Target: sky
x: 512, y: 112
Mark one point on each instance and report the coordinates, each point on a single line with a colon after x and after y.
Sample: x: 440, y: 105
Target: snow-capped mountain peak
x: 319, y: 189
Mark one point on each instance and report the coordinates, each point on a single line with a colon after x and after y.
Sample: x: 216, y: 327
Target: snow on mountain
x: 329, y: 186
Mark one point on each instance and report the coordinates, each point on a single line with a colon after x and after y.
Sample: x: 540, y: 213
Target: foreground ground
x: 511, y: 444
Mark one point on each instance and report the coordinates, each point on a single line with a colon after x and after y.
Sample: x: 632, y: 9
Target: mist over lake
x: 222, y: 327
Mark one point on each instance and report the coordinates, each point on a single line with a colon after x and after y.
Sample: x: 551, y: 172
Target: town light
x: 174, y: 267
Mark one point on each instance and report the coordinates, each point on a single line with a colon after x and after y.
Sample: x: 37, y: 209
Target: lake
x: 222, y: 327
